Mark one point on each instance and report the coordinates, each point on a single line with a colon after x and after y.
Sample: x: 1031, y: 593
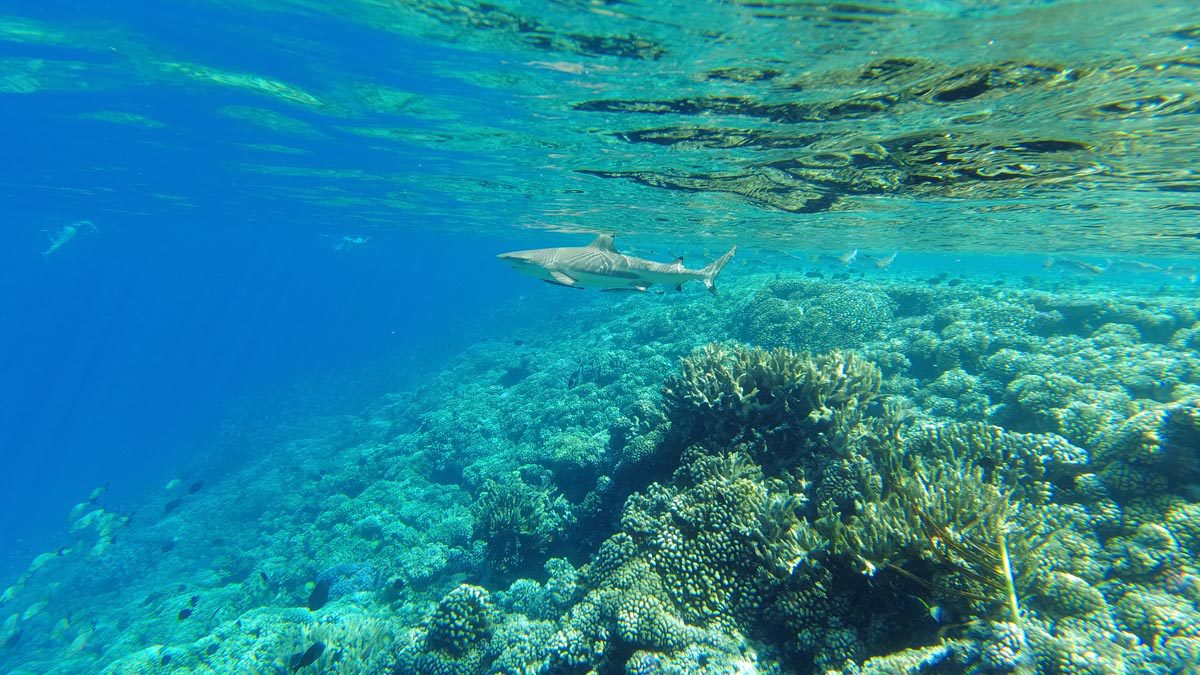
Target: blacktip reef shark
x: 65, y: 234
x: 599, y: 265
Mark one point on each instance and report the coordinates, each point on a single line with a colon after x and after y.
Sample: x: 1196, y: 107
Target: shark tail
x: 711, y: 271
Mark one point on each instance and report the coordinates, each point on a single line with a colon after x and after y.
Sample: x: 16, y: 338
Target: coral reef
x: 725, y: 392
x: 647, y: 495
x: 813, y: 316
x: 518, y: 521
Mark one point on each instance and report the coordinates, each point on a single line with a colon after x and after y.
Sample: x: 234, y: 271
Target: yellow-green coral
x: 518, y: 520
x: 462, y: 620
x: 729, y: 390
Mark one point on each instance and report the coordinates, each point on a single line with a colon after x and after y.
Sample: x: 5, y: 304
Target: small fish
x: 166, y: 548
x: 80, y: 640
x: 849, y: 257
x: 34, y: 609
x: 185, y: 613
x: 194, y: 601
x: 319, y: 595
x: 348, y: 242
x: 65, y: 234
x: 1186, y: 272
x: 883, y: 263
x: 60, y: 629
x: 171, y: 506
x: 936, y: 612
x: 86, y: 520
x: 78, y: 510
x: 172, y: 484
x: 42, y: 560
x: 307, y: 657
x: 97, y: 493
x: 101, y: 546
x: 195, y: 487
x: 13, y: 637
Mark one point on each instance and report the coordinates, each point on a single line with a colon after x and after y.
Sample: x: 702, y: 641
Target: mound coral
x: 814, y: 316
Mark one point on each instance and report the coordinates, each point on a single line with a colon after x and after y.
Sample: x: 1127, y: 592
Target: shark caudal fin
x: 713, y: 270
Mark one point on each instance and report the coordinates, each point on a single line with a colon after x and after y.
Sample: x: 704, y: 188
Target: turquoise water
x: 271, y: 404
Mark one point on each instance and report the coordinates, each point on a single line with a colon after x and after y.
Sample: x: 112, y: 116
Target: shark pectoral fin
x: 679, y: 288
x: 562, y: 279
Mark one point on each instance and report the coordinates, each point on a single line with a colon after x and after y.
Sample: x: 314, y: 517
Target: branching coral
x: 723, y: 392
x: 518, y: 520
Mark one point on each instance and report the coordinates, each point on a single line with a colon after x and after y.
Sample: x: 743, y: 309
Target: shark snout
x: 516, y: 258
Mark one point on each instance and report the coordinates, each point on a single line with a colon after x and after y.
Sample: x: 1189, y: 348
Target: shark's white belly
x: 620, y: 274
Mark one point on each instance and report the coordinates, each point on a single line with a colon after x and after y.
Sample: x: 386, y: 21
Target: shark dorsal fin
x: 604, y: 242
x: 678, y: 262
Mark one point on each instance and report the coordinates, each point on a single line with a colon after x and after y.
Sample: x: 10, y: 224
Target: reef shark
x: 599, y: 265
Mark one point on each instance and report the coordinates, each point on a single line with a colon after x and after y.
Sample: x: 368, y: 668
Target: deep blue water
x: 123, y: 351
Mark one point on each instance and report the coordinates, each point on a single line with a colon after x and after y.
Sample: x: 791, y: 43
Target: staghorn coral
x: 1023, y: 465
x: 724, y: 392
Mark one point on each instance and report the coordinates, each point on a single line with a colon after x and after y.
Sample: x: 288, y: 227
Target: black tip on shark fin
x: 679, y: 288
x: 678, y: 261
